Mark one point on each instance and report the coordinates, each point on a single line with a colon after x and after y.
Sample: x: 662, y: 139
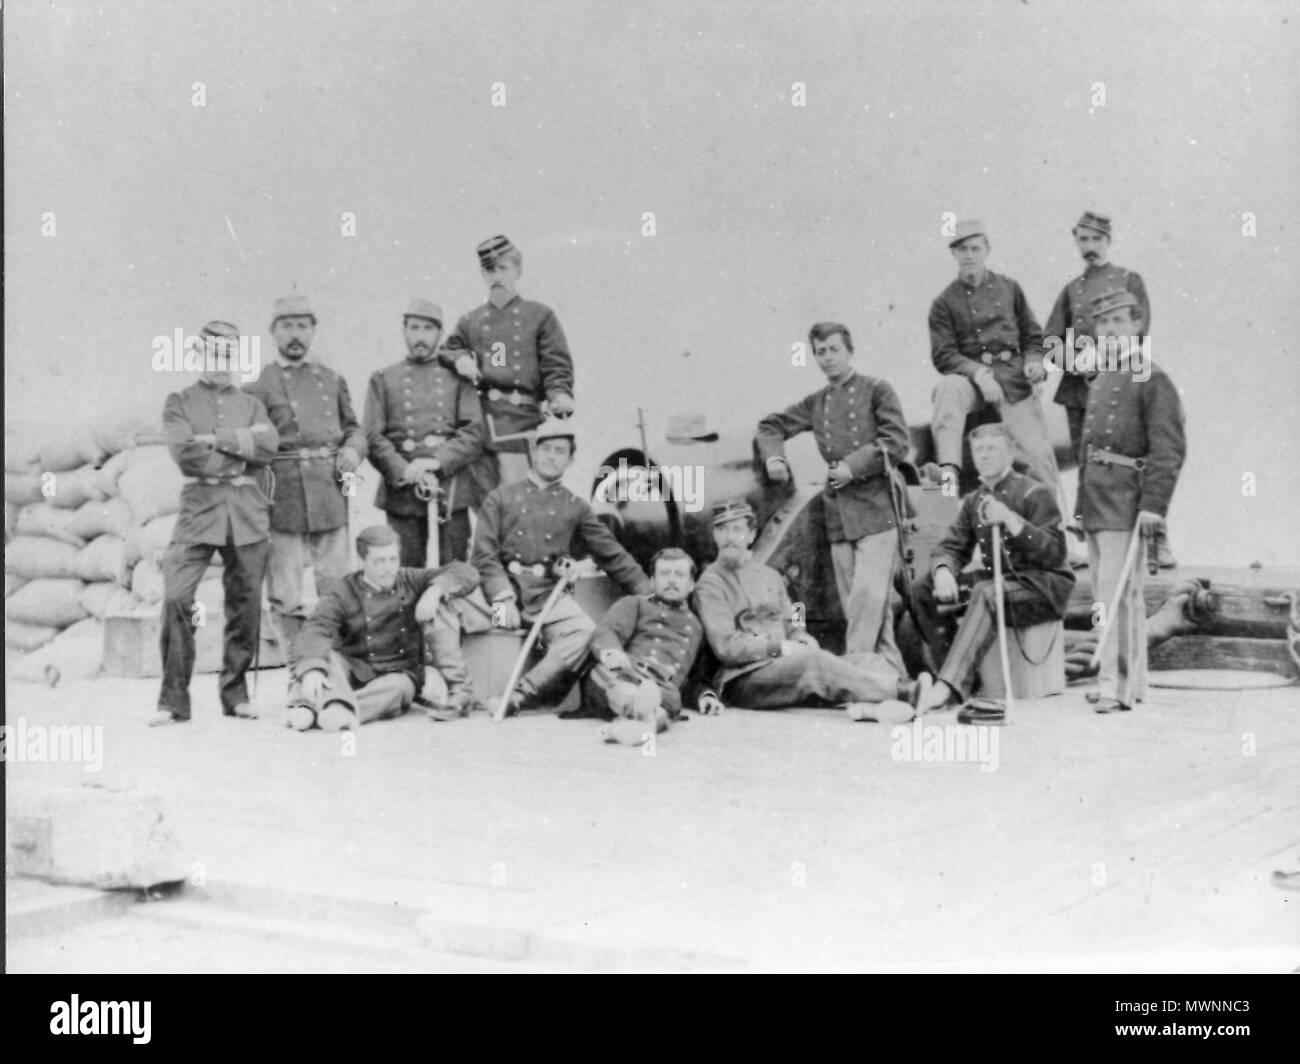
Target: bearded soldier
x: 424, y: 427
x: 321, y: 445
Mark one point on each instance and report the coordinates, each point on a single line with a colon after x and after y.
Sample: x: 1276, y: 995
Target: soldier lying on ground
x: 767, y: 660
x: 644, y: 647
x: 360, y: 656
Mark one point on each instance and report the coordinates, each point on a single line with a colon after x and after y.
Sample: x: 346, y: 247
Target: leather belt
x: 430, y: 441
x: 1104, y: 457
x: 538, y: 569
x: 1006, y: 355
x: 513, y: 398
x: 234, y: 482
x: 306, y: 454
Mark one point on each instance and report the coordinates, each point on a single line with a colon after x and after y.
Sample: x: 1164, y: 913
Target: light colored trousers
x: 1123, y: 666
x: 291, y: 552
x: 384, y: 696
x: 956, y: 396
x: 864, y: 578
x: 814, y: 674
x: 567, y: 635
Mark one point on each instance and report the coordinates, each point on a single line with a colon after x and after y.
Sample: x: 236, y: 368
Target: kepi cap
x: 1108, y: 301
x: 292, y: 307
x: 1091, y: 220
x: 966, y: 229
x: 731, y: 511
x: 493, y: 250
x: 424, y: 308
x: 219, y: 330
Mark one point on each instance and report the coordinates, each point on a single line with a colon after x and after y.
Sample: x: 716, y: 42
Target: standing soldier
x: 1133, y: 449
x: 1092, y: 234
x: 222, y: 440
x: 321, y: 445
x: 986, y: 343
x: 515, y: 352
x: 425, y: 430
x: 859, y: 426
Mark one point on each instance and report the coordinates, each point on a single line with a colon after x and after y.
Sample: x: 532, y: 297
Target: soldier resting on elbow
x: 360, y: 656
x: 644, y: 648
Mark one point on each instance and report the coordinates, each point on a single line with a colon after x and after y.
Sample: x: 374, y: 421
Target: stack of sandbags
x: 83, y: 509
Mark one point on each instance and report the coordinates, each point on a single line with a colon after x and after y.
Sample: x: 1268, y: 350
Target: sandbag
x: 111, y: 470
x: 55, y: 603
x: 147, y: 581
x: 46, y: 519
x: 22, y: 488
x: 11, y: 520
x: 122, y: 430
x: 20, y: 636
x: 61, y: 451
x: 74, y: 488
x: 109, y: 516
x: 36, y: 557
x: 104, y: 598
x: 13, y: 582
x: 74, y: 654
x: 100, y: 559
x: 148, y: 540
x: 152, y: 488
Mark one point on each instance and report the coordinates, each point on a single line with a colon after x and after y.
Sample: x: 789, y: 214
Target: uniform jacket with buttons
x: 1037, y: 557
x: 246, y: 443
x: 532, y: 358
x: 1139, y: 419
x: 660, y: 638
x: 376, y: 631
x: 425, y: 410
x: 1072, y: 311
x: 973, y: 326
x: 746, y: 614
x: 854, y: 422
x: 533, y: 525
x: 309, y: 405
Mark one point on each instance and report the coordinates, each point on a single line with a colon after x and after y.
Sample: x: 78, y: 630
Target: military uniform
x: 747, y: 614
x: 855, y: 421
x: 523, y: 359
x: 1037, y: 578
x: 312, y: 411
x: 988, y: 325
x: 424, y: 410
x: 524, y: 528
x: 223, y: 509
x: 370, y: 645
x: 1133, y: 446
x: 660, y: 638
x: 1072, y: 311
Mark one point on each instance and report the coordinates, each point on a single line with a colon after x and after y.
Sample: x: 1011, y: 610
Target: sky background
x: 768, y: 216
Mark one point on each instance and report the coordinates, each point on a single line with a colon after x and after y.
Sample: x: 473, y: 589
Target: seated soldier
x: 1037, y: 577
x: 360, y: 655
x: 769, y: 662
x: 644, y: 647
x: 521, y: 550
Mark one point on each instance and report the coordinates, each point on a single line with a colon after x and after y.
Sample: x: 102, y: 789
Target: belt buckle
x: 1006, y: 355
x: 431, y: 440
x: 494, y: 394
x: 987, y: 358
x: 408, y: 446
x: 514, y: 398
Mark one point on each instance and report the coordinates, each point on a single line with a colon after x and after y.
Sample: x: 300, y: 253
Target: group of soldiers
x: 471, y: 436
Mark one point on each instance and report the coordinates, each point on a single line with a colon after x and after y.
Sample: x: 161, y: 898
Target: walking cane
x: 999, y: 592
x: 500, y: 707
x: 1095, y: 663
